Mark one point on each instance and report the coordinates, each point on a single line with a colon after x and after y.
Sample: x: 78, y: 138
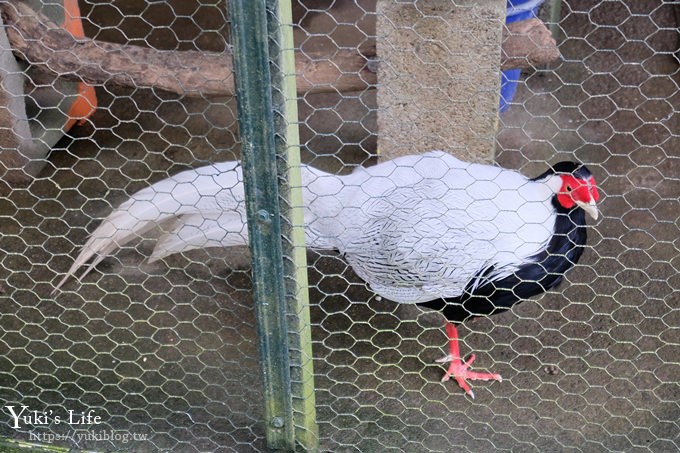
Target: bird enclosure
x: 287, y: 348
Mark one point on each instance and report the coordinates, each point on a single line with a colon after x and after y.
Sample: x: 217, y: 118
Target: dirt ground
x: 169, y: 349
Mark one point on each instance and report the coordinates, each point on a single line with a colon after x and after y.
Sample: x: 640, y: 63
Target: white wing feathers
x: 415, y: 228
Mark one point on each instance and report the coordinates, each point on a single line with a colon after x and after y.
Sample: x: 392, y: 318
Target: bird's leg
x: 458, y: 369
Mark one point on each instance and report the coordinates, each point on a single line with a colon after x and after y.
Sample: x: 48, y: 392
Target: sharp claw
x: 445, y: 359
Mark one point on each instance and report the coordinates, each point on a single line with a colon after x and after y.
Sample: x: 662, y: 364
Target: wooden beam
x: 38, y: 41
x: 528, y: 44
x: 56, y: 53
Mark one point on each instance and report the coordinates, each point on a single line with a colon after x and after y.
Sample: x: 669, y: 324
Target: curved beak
x: 590, y: 208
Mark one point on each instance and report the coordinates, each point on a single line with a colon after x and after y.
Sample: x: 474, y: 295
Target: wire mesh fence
x: 163, y: 355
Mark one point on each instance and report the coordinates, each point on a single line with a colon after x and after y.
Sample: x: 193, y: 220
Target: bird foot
x: 460, y: 370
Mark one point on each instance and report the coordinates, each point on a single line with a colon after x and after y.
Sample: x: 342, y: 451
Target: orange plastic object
x: 86, y: 102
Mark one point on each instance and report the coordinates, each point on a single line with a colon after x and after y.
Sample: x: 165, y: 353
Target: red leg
x: 458, y: 369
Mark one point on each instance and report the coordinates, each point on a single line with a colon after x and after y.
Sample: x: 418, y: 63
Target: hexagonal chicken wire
x: 166, y: 352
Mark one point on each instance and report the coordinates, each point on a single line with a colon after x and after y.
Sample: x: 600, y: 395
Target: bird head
x: 577, y: 187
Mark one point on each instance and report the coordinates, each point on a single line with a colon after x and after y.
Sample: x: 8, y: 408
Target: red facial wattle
x: 575, y: 190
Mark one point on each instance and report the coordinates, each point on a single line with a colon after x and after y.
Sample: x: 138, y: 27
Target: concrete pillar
x: 439, y: 77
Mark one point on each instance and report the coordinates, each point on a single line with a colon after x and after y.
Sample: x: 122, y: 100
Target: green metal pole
x: 555, y: 16
x: 295, y: 265
x: 250, y: 39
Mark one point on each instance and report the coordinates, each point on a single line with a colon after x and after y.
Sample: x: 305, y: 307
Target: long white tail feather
x: 196, y: 231
x: 213, y: 188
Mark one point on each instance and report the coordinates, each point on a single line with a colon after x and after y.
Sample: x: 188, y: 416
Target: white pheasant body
x: 422, y: 227
x: 415, y: 228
